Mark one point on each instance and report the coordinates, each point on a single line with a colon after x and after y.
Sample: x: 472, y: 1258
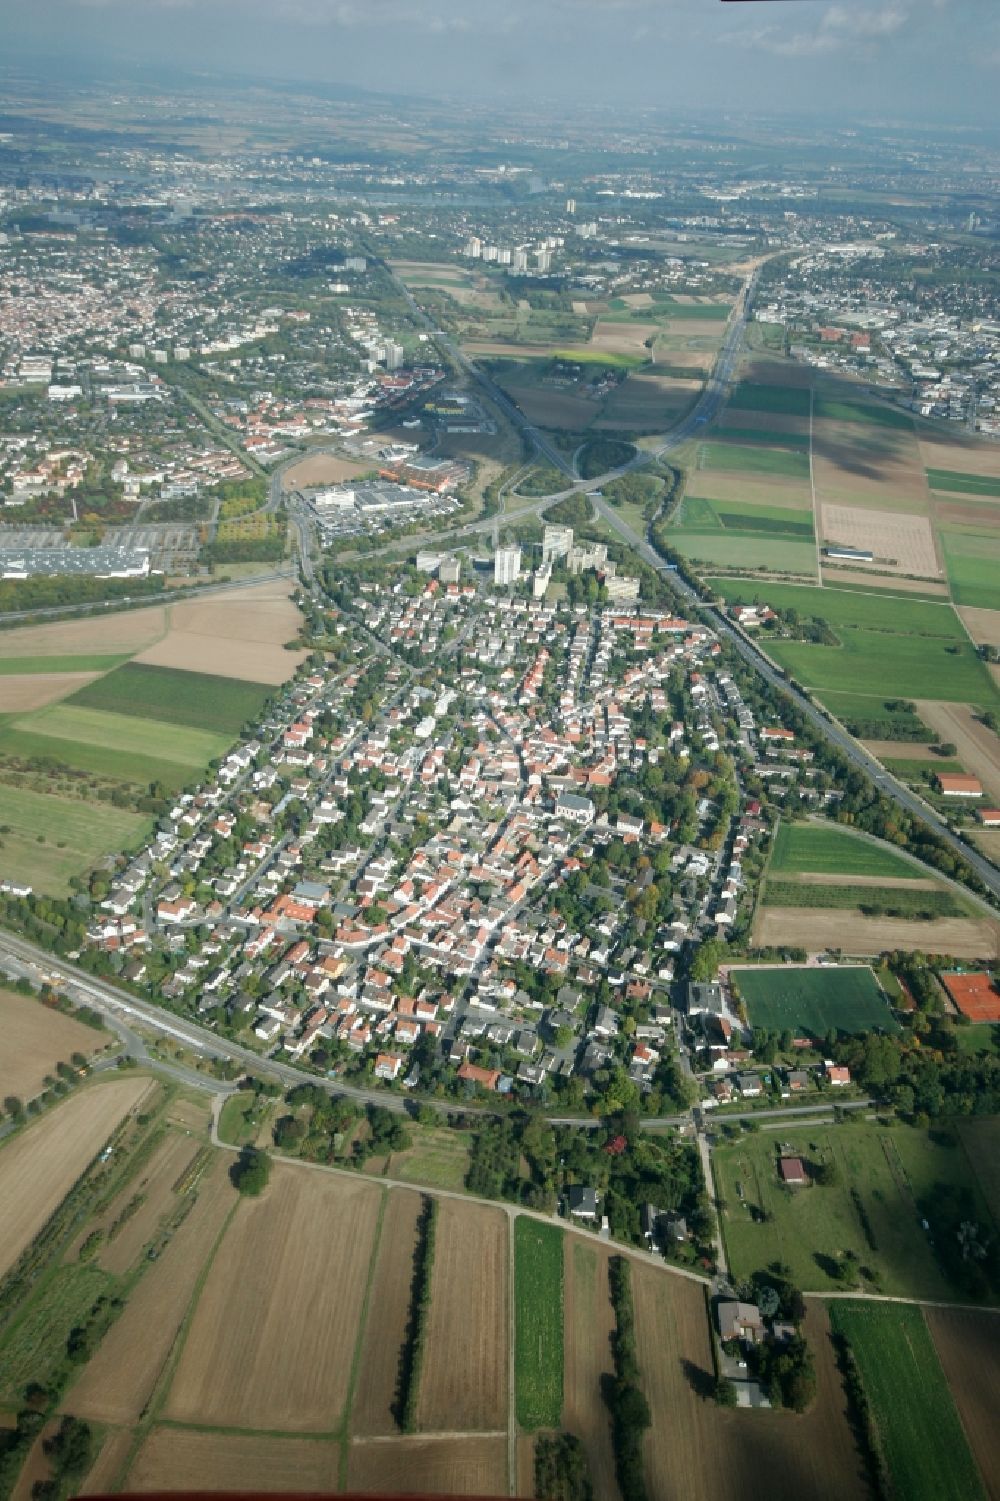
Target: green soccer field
x: 814, y: 1001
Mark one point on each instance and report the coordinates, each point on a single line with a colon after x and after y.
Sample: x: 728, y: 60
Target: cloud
x: 841, y: 29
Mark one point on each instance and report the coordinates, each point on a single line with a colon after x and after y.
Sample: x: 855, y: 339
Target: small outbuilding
x: 793, y: 1171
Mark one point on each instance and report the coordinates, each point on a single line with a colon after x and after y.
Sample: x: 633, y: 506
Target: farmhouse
x: 793, y: 1172
x: 958, y: 784
x: 989, y: 817
x: 582, y: 1202
x: 740, y: 1321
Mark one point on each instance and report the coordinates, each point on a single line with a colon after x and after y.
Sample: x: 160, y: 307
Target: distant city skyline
x: 913, y: 59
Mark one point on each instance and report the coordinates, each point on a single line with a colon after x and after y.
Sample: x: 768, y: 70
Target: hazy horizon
x: 891, y: 59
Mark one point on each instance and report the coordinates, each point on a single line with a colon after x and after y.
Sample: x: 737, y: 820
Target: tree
x: 725, y: 1392
x: 251, y: 1171
x: 13, y: 1106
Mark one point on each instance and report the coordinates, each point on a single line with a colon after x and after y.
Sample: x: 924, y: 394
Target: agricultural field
x: 127, y: 1229
x: 588, y: 1328
x: 119, y: 1380
x: 188, y: 1460
x: 35, y: 1039
x: 473, y: 1465
x: 195, y: 700
x: 254, y: 1359
x: 204, y: 670
x: 40, y: 1165
x: 819, y: 929
x: 977, y: 746
x: 814, y: 1001
x: 825, y: 848
x: 753, y: 460
x: 871, y: 1209
x: 464, y: 1380
x: 237, y: 634
x: 538, y: 1355
x: 49, y: 839
x: 21, y: 692
x: 116, y: 745
x: 372, y: 1412
x: 967, y: 1345
x: 919, y: 1430
x: 696, y: 1450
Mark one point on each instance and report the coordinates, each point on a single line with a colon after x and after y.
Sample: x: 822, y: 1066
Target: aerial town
x: 499, y: 774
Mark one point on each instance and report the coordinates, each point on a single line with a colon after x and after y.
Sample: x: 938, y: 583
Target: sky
x: 933, y: 60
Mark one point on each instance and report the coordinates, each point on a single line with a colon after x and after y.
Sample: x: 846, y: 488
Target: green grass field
x: 825, y: 849
x: 980, y: 1135
x: 538, y: 1288
x: 816, y: 1001
x: 913, y: 666
x: 897, y: 615
x: 890, y: 713
x: 897, y: 901
x: 102, y: 760
x: 745, y: 550
x: 750, y: 397
x: 755, y: 436
x: 23, y: 666
x: 875, y: 413
x: 439, y: 1158
x: 919, y: 1429
x: 972, y: 560
x: 696, y: 513
x: 963, y: 484
x: 49, y: 839
x: 70, y: 725
x: 735, y: 458
x: 195, y: 700
x: 810, y: 1228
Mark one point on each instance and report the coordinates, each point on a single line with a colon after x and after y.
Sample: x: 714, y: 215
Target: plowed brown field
x: 20, y: 692
x: 111, y: 1458
x: 40, y: 1166
x: 968, y: 1347
x: 238, y: 634
x: 588, y: 1323
x: 821, y: 928
x: 35, y: 1039
x: 388, y: 1309
x: 698, y: 1451
x: 173, y: 1459
x: 273, y: 1335
x: 429, y: 1466
x: 118, y: 1382
x: 464, y: 1378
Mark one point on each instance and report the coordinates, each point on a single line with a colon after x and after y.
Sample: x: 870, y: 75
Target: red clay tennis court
x: 975, y: 996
